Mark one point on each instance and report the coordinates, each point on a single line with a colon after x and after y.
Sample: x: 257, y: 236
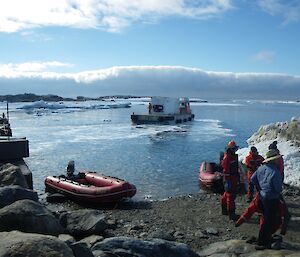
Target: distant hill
x: 28, y: 97
x: 32, y: 98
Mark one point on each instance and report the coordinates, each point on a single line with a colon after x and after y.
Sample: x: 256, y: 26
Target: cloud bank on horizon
x: 148, y: 80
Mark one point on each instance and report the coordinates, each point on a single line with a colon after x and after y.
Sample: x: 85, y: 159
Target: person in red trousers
x: 255, y: 206
x: 231, y: 180
x: 253, y: 161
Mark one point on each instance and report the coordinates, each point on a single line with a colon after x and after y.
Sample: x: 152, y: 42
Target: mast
x: 7, y: 112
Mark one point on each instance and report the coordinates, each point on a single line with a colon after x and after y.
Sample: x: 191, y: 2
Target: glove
x: 227, y: 186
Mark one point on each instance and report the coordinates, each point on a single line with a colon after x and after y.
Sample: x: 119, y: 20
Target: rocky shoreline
x: 189, y: 225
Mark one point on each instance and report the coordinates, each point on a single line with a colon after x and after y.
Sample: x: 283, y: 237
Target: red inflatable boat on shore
x: 91, y: 187
x: 211, y: 176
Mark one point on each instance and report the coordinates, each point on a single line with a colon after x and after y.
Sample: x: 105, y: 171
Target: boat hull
x: 161, y: 119
x: 210, y: 176
x: 92, y: 188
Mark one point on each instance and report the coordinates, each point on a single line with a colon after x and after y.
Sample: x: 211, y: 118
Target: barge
x: 165, y: 110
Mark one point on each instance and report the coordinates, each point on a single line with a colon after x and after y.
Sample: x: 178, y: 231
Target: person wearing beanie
x: 274, y: 147
x: 253, y: 161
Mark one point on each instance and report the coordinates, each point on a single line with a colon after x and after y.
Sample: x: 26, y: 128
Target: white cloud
x: 33, y: 36
x: 111, y: 15
x: 265, y: 56
x: 289, y: 10
x: 153, y: 80
x: 11, y: 68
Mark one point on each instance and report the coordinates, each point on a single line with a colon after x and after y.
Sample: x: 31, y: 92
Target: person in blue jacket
x: 268, y: 181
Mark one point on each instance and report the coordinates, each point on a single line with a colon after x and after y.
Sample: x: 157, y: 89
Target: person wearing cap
x: 253, y: 161
x: 287, y: 215
x: 267, y: 179
x: 231, y: 180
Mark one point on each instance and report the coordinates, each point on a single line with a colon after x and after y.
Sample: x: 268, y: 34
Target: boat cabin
x: 165, y: 110
x: 166, y: 105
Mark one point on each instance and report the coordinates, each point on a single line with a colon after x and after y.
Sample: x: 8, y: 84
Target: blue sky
x: 207, y: 47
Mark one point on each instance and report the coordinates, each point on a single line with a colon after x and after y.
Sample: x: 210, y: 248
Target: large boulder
x: 241, y: 248
x: 82, y: 223
x: 11, y: 175
x: 81, y: 249
x: 127, y: 246
x: 18, y: 244
x: 11, y: 194
x: 29, y: 216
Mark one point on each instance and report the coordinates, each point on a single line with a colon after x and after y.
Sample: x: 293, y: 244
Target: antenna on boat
x: 7, y: 112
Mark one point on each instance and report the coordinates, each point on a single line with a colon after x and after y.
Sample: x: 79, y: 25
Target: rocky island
x: 29, y: 97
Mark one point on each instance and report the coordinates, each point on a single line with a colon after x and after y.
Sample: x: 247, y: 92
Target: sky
x: 195, y: 48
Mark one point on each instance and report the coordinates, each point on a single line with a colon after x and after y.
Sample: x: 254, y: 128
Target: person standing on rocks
x: 281, y: 161
x: 253, y: 161
x: 287, y: 215
x: 268, y: 181
x: 231, y: 180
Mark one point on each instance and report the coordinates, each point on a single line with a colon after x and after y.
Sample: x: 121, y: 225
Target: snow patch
x: 289, y: 148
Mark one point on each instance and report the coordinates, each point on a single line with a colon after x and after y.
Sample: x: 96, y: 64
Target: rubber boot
x: 285, y: 223
x: 233, y: 216
x: 224, y: 210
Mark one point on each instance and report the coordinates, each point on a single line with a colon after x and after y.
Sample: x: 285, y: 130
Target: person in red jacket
x: 253, y: 161
x: 231, y: 180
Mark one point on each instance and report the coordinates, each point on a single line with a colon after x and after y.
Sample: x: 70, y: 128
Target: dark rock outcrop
x: 84, y: 223
x: 131, y: 247
x: 11, y: 194
x: 11, y: 175
x: 29, y: 216
x: 81, y: 249
x: 18, y: 244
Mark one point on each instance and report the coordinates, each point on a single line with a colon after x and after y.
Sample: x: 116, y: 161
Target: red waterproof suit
x: 253, y: 161
x: 231, y: 181
x: 281, y: 167
x: 254, y: 206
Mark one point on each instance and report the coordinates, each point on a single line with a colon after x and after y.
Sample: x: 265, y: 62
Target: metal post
x: 7, y: 113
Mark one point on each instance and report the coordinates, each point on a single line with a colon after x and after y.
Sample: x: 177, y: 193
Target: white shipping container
x: 170, y: 105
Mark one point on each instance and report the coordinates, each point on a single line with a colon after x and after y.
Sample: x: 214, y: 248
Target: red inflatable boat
x: 211, y: 176
x: 91, y: 187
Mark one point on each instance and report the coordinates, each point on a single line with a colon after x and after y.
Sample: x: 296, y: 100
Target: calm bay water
x: 162, y: 161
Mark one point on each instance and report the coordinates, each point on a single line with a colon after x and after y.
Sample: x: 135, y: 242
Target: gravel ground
x: 193, y: 219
